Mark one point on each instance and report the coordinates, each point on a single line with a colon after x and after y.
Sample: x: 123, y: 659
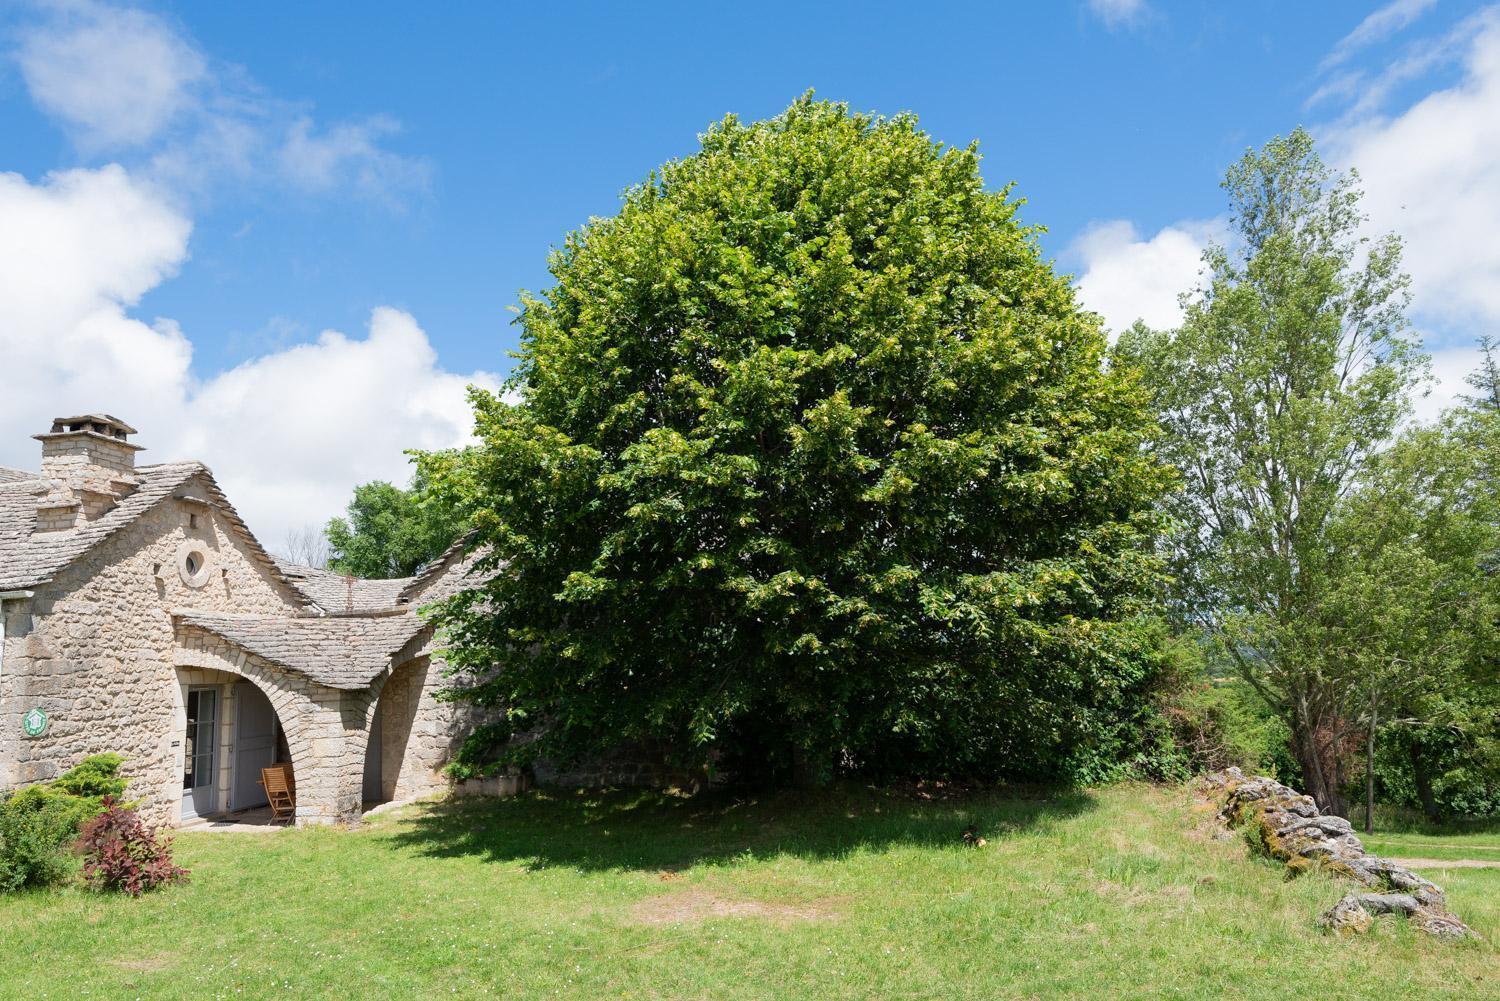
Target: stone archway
x: 391, y: 769
x: 225, y: 730
x: 323, y: 727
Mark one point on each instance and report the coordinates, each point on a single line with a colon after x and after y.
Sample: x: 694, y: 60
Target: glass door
x: 200, y: 760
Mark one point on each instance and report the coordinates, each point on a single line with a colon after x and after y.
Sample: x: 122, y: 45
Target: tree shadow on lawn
x: 631, y: 829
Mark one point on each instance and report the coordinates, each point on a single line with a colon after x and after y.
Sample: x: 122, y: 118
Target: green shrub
x: 1462, y: 770
x: 39, y: 823
x: 94, y: 777
x: 35, y: 837
x: 1222, y: 722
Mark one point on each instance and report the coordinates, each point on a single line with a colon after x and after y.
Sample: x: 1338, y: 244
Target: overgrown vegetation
x: 817, y: 467
x: 51, y: 830
x: 1342, y: 568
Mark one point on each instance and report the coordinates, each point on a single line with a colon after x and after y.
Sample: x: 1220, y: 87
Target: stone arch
x: 233, y: 684
x: 277, y: 686
x: 311, y: 716
x: 391, y: 764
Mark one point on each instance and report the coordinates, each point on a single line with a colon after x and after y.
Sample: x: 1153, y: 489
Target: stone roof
x: 340, y: 651
x: 331, y: 592
x: 8, y: 475
x: 59, y: 423
x: 444, y: 576
x: 28, y: 559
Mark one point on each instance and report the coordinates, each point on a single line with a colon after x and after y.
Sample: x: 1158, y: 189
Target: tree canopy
x: 818, y: 464
x: 390, y: 532
x: 1279, y: 397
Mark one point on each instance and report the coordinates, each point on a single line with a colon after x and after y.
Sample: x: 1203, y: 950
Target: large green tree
x: 1437, y: 492
x: 819, y: 464
x: 1289, y: 376
x: 389, y: 532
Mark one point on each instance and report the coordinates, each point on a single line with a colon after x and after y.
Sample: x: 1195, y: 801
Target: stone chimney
x: 89, y: 464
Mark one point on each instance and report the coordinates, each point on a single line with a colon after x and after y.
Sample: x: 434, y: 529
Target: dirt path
x: 1438, y: 863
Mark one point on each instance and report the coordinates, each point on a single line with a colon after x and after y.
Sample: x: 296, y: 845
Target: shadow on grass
x: 1401, y: 820
x: 592, y: 830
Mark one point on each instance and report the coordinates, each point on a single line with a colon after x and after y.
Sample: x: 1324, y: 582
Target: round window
x: 192, y: 564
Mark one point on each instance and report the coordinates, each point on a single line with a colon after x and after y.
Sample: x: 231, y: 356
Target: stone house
x: 141, y: 616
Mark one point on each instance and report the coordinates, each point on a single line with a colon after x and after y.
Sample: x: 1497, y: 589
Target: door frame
x: 189, y: 806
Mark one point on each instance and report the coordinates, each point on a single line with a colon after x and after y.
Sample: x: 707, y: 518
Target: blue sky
x: 222, y: 185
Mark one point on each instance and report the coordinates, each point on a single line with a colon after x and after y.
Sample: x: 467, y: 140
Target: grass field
x: 1117, y: 892
x: 1403, y: 835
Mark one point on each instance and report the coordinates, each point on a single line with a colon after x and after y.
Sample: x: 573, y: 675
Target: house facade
x: 141, y: 616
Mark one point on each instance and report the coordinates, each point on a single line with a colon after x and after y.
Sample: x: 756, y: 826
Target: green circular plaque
x: 34, y: 722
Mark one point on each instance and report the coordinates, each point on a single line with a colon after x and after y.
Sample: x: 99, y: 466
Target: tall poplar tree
x: 1290, y: 374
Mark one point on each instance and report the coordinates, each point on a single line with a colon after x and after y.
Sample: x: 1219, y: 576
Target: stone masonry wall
x: 94, y: 651
x: 419, y: 734
x: 1285, y: 825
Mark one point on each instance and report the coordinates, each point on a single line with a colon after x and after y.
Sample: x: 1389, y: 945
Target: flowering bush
x: 120, y: 852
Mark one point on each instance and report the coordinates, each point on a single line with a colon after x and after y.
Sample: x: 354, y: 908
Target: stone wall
x: 94, y: 650
x: 635, y: 765
x: 420, y: 733
x: 1285, y: 825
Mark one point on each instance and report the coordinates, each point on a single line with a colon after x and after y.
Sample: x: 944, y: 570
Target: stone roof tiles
x: 8, y: 475
x: 28, y: 558
x: 347, y: 652
x: 444, y: 576
x: 332, y: 592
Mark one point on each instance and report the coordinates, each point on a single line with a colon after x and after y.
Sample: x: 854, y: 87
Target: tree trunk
x: 1370, y: 771
x: 1421, y: 776
x: 1317, y: 753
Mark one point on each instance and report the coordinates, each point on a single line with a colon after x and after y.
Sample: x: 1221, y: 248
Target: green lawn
x: 1117, y: 892
x: 1480, y: 847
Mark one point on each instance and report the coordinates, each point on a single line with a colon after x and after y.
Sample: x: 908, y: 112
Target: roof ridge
x: 172, y: 464
x: 26, y: 564
x: 425, y: 575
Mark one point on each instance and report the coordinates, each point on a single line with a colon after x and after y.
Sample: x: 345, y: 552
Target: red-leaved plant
x: 120, y: 852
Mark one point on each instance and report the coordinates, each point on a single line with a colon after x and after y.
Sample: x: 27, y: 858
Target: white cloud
x: 1126, y: 278
x: 1378, y: 26
x: 1430, y: 171
x: 1451, y: 368
x: 1432, y: 174
x: 1119, y: 13
x: 288, y: 433
x: 124, y: 81
x: 115, y: 77
x: 349, y: 153
x: 76, y: 251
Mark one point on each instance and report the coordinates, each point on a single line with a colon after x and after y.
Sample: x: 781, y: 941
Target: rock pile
x: 1287, y: 825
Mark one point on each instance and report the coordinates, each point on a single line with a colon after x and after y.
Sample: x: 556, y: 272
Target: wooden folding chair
x: 280, y: 791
